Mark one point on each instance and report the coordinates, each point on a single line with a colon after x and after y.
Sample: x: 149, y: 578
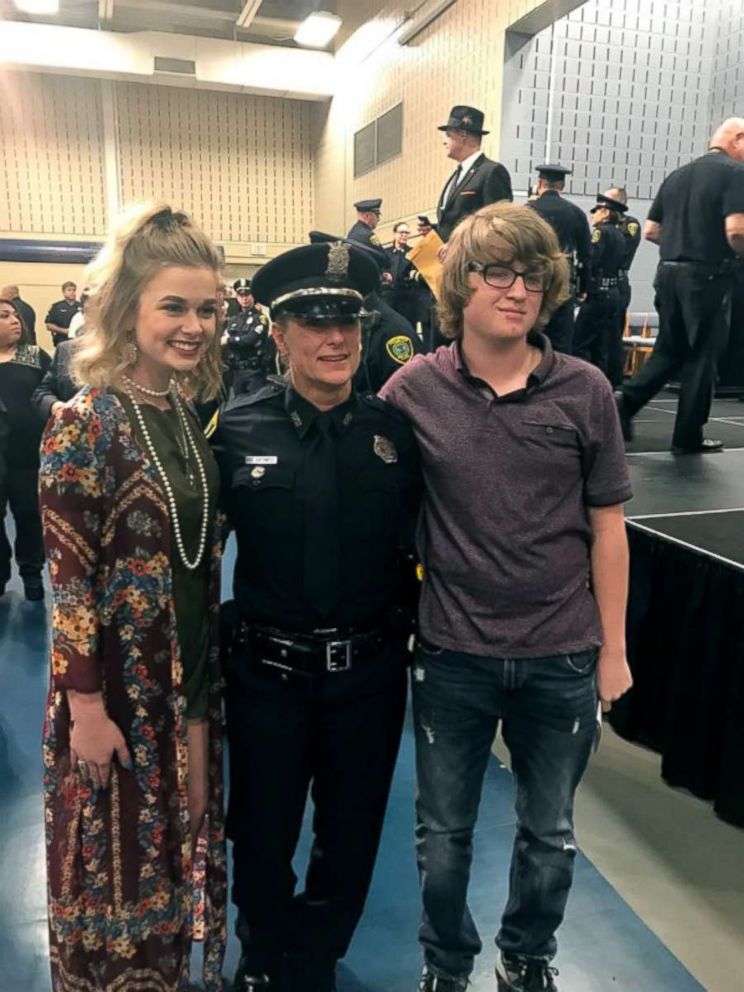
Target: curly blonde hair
x: 146, y: 238
x: 503, y: 232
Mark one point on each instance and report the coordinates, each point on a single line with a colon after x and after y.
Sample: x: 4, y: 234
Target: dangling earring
x: 130, y: 352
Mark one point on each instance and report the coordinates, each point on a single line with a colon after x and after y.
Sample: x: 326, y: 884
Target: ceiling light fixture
x: 38, y: 8
x: 318, y: 29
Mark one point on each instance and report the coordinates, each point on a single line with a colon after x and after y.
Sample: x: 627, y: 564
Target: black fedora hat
x: 465, y: 119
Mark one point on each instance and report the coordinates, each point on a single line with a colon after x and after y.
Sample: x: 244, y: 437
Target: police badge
x: 384, y: 448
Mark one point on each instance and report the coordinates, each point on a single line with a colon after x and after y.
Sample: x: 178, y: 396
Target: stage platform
x: 686, y: 608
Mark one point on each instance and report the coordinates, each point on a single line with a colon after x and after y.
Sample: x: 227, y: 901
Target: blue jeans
x: 547, y: 708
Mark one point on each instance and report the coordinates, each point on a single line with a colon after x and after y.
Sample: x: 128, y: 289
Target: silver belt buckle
x: 338, y: 656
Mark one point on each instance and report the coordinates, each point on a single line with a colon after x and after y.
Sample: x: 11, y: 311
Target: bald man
x: 697, y: 220
x: 27, y: 312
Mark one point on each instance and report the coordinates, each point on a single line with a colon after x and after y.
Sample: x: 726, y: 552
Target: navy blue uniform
x: 249, y: 354
x: 596, y: 322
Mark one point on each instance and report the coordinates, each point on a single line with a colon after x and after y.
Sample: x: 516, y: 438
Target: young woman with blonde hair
x: 132, y: 738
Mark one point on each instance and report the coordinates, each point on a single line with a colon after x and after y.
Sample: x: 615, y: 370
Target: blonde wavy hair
x: 146, y: 238
x: 501, y: 232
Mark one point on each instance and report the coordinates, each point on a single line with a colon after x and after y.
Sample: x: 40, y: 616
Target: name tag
x: 261, y: 460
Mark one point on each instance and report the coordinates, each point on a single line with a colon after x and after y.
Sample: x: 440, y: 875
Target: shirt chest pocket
x: 264, y: 499
x: 554, y: 447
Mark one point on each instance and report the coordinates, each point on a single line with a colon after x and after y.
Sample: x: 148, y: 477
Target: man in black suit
x: 572, y: 230
x: 477, y: 181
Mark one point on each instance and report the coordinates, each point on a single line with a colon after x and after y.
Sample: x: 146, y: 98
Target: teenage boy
x: 522, y: 615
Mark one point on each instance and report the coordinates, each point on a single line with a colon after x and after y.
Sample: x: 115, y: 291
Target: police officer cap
x: 378, y: 254
x: 317, y: 281
x: 607, y: 201
x: 553, y: 172
x: 368, y: 206
x: 242, y: 286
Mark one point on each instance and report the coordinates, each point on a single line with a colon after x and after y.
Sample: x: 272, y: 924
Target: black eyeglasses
x: 503, y: 276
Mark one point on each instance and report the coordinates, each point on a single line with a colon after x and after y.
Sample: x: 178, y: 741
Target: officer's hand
x: 423, y: 229
x: 387, y: 277
x: 414, y: 275
x: 442, y: 253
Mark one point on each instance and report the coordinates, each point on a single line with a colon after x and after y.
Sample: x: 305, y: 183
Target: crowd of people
x: 377, y: 487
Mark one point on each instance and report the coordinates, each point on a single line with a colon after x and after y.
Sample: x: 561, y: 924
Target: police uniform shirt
x: 630, y: 228
x: 398, y: 265
x: 571, y: 227
x: 364, y: 235
x: 608, y: 249
x: 263, y: 444
x: 388, y: 341
x: 692, y: 205
x: 248, y: 339
x: 62, y: 312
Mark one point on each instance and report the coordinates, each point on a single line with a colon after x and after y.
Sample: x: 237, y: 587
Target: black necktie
x: 322, y: 539
x: 453, y: 184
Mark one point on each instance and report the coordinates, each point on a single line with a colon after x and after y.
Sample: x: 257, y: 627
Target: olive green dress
x: 190, y: 588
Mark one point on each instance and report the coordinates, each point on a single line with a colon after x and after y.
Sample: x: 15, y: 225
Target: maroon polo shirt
x: 505, y: 536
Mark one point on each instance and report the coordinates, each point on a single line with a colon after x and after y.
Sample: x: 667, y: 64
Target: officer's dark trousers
x: 616, y: 356
x: 694, y: 307
x: 560, y: 328
x: 18, y: 491
x: 337, y: 734
x: 595, y: 327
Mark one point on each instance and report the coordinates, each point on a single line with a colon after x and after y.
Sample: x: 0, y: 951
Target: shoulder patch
x: 400, y: 349
x: 633, y: 228
x: 374, y: 240
x: 596, y: 235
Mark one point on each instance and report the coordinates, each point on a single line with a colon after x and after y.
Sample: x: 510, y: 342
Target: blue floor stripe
x: 604, y: 946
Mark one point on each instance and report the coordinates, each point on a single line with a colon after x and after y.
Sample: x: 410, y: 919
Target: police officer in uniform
x: 630, y: 228
x: 61, y: 313
x: 249, y: 354
x: 399, y: 292
x: 574, y: 236
x: 389, y: 340
x: 597, y: 319
x: 368, y: 217
x: 322, y: 488
x: 697, y: 219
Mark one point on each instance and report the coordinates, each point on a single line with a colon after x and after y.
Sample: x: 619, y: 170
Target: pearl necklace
x: 191, y: 565
x: 160, y: 393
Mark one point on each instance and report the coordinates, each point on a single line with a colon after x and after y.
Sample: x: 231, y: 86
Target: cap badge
x: 385, y: 449
x: 338, y: 262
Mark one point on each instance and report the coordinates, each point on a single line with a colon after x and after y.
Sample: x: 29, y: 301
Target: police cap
x: 607, y: 201
x: 553, y: 172
x: 378, y: 254
x: 317, y: 281
x: 368, y: 206
x: 242, y: 286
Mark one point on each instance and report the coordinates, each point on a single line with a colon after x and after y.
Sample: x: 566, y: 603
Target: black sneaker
x: 524, y: 974
x: 440, y: 983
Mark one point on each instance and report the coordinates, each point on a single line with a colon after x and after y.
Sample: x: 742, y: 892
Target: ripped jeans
x: 548, y: 709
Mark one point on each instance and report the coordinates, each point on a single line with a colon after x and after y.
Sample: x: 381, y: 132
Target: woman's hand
x: 94, y: 739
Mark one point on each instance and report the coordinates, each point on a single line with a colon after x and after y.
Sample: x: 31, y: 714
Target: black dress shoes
x: 244, y: 981
x: 706, y: 446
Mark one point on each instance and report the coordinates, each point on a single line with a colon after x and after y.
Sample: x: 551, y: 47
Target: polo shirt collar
x: 303, y: 414
x: 536, y: 377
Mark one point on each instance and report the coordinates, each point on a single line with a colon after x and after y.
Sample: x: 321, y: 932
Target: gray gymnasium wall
x: 624, y: 92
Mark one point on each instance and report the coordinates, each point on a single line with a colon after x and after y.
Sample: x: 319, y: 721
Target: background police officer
x: 630, y: 228
x: 61, y: 313
x: 322, y: 489
x: 597, y: 319
x: 368, y: 217
x: 574, y: 236
x: 248, y: 351
x: 697, y: 219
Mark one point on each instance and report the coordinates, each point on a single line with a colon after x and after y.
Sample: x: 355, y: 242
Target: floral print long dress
x: 119, y: 864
